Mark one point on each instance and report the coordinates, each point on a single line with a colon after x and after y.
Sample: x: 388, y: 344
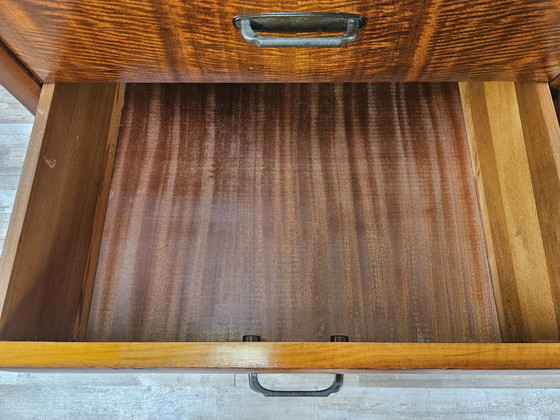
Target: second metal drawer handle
x: 335, y: 386
x: 257, y: 387
x: 296, y: 22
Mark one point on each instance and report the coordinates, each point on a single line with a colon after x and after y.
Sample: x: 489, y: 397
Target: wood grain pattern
x: 22, y: 197
x: 195, y: 41
x: 293, y: 212
x: 281, y: 357
x: 50, y: 247
x: 515, y: 147
x: 18, y: 80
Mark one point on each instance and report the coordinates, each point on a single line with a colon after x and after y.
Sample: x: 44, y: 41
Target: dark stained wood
x: 17, y: 80
x: 555, y: 85
x: 555, y: 93
x: 515, y: 141
x: 195, y: 41
x: 293, y: 212
x: 54, y: 236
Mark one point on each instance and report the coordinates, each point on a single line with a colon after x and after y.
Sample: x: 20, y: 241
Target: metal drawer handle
x: 297, y: 22
x: 257, y: 387
x: 335, y: 386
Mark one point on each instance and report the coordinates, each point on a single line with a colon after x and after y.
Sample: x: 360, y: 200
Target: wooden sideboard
x: 158, y: 223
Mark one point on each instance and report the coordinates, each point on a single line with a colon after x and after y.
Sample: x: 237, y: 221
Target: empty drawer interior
x: 293, y: 212
x: 290, y: 211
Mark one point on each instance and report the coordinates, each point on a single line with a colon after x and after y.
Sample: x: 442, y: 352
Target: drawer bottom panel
x: 293, y: 212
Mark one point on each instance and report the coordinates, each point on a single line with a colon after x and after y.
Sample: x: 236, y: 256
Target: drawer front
x: 195, y: 41
x: 280, y: 357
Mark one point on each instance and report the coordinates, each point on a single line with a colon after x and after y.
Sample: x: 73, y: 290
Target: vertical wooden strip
x: 512, y: 150
x: 480, y: 131
x: 17, y: 79
x: 100, y: 211
x: 53, y: 243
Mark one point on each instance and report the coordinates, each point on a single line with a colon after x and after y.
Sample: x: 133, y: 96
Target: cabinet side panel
x: 64, y: 180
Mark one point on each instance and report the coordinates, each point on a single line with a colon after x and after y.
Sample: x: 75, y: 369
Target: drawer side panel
x: 49, y: 260
x: 515, y: 147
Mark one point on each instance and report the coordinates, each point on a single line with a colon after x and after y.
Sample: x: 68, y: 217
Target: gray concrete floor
x: 155, y: 395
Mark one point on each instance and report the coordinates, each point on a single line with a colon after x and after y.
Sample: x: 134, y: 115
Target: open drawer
x: 420, y: 220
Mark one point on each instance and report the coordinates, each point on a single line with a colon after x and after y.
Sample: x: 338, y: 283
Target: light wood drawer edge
x: 317, y: 357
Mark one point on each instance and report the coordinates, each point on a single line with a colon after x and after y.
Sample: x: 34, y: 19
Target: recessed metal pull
x: 299, y: 22
x: 257, y: 387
